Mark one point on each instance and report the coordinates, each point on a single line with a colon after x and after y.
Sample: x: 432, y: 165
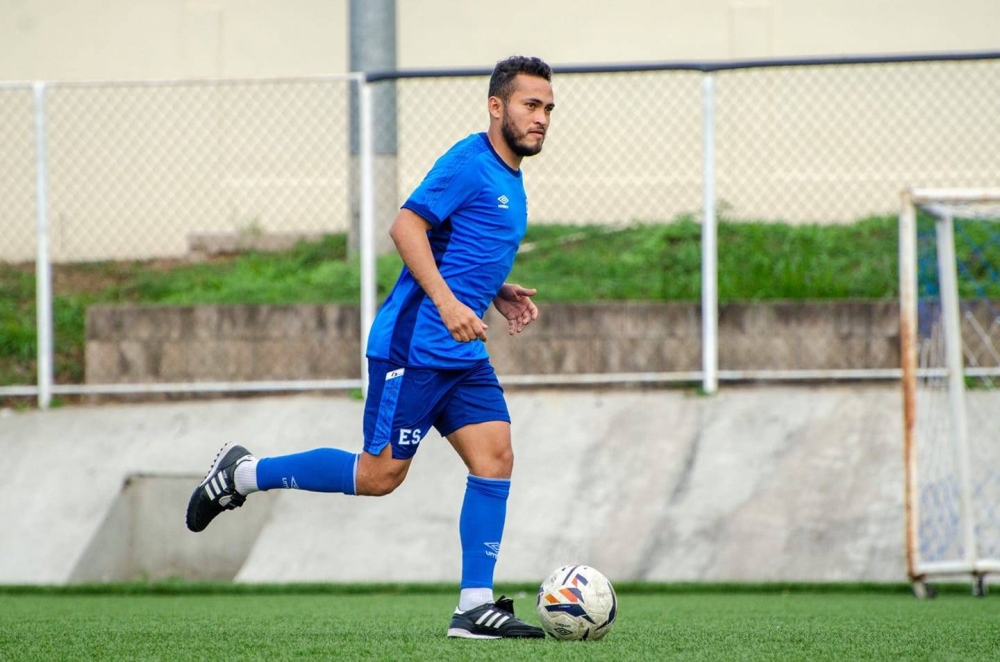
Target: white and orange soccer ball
x: 577, y: 603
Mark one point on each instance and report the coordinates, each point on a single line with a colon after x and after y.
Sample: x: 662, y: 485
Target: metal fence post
x: 43, y: 268
x: 367, y: 218
x: 709, y: 252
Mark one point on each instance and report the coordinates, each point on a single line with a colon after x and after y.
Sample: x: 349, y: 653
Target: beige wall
x: 564, y: 31
x: 136, y: 39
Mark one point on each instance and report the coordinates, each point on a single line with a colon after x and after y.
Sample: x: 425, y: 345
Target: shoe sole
x: 456, y: 633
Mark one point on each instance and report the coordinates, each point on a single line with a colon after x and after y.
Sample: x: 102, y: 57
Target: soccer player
x: 458, y: 234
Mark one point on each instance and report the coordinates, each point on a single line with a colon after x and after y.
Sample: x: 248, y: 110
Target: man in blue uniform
x: 458, y: 234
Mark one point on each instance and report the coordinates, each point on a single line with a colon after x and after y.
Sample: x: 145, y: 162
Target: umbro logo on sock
x: 493, y: 549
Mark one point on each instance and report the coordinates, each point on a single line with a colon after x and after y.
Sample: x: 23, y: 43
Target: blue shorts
x: 403, y: 403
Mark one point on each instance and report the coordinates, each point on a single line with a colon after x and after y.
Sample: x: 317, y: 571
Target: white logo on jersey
x: 503, y: 200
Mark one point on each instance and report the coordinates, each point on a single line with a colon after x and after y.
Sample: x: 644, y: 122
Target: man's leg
x: 236, y: 474
x: 486, y: 450
x: 376, y: 471
x: 318, y: 470
x: 329, y: 470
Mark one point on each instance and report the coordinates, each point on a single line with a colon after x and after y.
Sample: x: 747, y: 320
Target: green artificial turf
x: 793, y: 624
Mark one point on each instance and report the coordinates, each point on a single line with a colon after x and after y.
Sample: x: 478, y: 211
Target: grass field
x: 654, y: 624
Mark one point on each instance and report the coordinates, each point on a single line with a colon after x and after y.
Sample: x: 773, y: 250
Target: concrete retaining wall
x: 243, y: 342
x: 752, y: 484
x: 134, y: 541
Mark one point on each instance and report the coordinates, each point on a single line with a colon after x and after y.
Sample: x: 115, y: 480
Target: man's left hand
x: 514, y: 303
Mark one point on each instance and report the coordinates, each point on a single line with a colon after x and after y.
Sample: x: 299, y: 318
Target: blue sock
x: 320, y: 470
x: 480, y: 527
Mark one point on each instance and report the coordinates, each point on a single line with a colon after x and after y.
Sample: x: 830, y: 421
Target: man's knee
x: 383, y: 484
x: 380, y: 475
x: 496, y: 462
x: 504, y: 460
x: 485, y: 448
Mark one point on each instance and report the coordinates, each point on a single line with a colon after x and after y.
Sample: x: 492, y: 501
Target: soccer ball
x: 577, y: 602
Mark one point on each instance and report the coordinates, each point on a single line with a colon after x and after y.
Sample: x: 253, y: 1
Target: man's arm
x: 409, y: 233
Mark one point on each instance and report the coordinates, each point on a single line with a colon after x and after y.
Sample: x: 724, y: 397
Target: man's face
x: 526, y: 115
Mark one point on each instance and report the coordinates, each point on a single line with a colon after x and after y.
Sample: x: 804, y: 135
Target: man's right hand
x: 463, y: 324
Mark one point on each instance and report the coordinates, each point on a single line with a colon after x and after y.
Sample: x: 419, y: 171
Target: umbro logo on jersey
x: 503, y: 200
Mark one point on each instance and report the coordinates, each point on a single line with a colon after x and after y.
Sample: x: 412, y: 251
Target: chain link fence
x: 622, y: 148
x: 153, y: 171
x: 834, y: 144
x: 17, y: 237
x: 17, y: 174
x: 154, y: 178
x: 176, y: 174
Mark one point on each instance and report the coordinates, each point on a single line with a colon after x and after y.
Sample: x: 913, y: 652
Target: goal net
x: 950, y: 342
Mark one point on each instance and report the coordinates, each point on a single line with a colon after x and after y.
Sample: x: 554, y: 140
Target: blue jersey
x: 478, y: 211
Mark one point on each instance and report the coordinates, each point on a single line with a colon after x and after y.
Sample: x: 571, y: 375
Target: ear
x: 495, y: 107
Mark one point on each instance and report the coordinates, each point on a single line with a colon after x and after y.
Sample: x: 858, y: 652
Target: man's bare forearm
x: 409, y: 234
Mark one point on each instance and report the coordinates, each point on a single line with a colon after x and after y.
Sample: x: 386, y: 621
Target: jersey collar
x: 512, y: 171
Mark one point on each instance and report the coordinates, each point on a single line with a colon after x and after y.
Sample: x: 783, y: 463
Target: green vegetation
x: 566, y: 263
x: 757, y: 261
x: 409, y: 624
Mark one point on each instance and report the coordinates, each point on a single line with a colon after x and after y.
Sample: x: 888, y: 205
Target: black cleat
x: 218, y: 491
x: 492, y: 621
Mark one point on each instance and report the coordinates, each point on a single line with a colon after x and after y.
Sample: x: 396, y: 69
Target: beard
x: 515, y: 141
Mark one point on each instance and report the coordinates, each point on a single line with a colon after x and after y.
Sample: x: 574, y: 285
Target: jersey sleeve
x: 452, y: 182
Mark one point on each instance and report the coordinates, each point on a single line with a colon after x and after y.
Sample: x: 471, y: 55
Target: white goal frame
x: 936, y: 202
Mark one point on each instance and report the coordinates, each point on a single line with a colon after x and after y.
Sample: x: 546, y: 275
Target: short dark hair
x: 502, y: 80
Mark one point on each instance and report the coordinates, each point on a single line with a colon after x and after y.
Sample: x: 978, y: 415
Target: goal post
x: 949, y: 267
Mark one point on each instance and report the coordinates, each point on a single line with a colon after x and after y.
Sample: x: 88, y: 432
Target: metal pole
x: 950, y: 313
x: 372, y: 47
x: 367, y: 219
x: 908, y: 357
x: 43, y: 268
x: 709, y: 252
